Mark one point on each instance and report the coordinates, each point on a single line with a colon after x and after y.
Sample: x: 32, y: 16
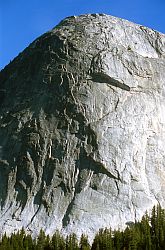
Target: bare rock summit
x: 82, y: 127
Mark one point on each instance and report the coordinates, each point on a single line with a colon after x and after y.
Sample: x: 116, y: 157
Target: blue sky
x: 21, y: 21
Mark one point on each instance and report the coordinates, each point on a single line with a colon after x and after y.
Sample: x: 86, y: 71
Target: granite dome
x: 82, y: 127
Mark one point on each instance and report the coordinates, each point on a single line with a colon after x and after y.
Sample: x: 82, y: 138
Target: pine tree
x: 28, y: 242
x: 158, y: 227
x: 103, y: 240
x: 108, y: 239
x: 41, y: 239
x: 47, y: 245
x: 72, y: 242
x: 58, y: 241
x: 118, y: 239
x: 146, y: 230
x: 5, y: 243
x: 96, y: 243
x: 84, y: 244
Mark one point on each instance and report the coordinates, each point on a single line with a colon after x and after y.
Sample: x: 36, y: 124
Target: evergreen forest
x: 147, y: 234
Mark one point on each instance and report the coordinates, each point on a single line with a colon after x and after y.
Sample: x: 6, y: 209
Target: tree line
x: 147, y: 234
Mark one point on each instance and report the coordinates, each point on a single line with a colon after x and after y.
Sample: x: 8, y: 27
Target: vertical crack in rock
x: 66, y: 220
x: 96, y: 168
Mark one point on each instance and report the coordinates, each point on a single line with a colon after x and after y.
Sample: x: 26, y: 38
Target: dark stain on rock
x: 104, y: 78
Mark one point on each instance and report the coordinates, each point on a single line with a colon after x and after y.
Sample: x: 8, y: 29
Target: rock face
x: 82, y: 127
